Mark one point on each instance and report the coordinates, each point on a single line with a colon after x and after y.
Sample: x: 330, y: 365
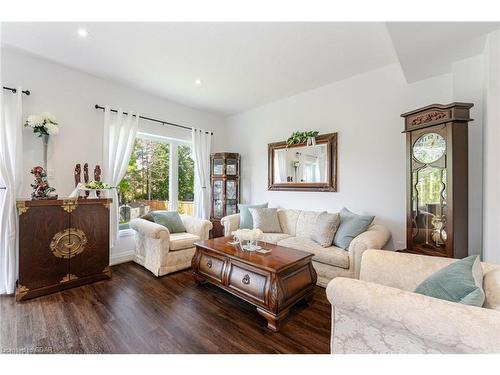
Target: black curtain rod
x: 97, y: 106
x: 27, y: 92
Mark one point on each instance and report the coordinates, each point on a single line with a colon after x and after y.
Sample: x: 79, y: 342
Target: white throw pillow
x: 266, y: 219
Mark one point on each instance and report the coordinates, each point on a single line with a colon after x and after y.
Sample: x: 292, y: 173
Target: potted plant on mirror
x: 44, y: 125
x: 298, y: 138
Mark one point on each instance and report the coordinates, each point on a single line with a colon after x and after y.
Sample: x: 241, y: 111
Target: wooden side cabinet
x: 62, y: 244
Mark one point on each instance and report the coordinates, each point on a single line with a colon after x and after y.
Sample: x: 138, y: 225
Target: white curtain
x: 201, y: 154
x: 11, y: 166
x: 118, y: 143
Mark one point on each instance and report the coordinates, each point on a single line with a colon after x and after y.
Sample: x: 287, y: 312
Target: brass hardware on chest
x: 246, y: 279
x: 68, y: 277
x: 21, y: 207
x: 209, y: 264
x: 68, y: 243
x: 69, y: 205
x: 21, y: 292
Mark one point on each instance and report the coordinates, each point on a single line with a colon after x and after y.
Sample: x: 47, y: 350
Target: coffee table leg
x: 309, y: 298
x: 273, y: 320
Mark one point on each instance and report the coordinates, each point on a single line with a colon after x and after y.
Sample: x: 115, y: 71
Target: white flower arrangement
x: 248, y: 234
x: 42, y: 124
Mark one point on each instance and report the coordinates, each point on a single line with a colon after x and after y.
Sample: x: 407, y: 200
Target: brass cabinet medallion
x: 68, y: 243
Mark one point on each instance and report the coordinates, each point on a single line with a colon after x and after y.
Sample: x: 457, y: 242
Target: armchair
x: 379, y: 313
x: 162, y: 252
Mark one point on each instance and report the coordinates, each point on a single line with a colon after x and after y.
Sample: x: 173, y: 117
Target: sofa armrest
x: 149, y: 229
x: 374, y: 238
x: 230, y: 223
x: 200, y: 227
x: 467, y: 329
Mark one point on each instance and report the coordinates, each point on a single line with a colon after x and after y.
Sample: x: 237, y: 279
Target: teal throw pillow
x: 351, y: 225
x: 169, y: 219
x: 460, y: 281
x: 246, y: 220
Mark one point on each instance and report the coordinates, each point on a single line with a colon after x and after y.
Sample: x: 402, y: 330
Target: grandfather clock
x: 437, y: 180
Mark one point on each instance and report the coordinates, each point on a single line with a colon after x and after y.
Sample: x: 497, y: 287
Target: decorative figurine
x: 97, y: 177
x: 78, y: 176
x: 41, y: 185
x: 86, y: 177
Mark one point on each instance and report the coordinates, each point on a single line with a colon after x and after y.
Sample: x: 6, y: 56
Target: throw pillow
x: 148, y: 217
x: 246, y: 221
x: 351, y: 225
x: 325, y: 228
x: 460, y: 281
x: 169, y: 219
x: 266, y: 219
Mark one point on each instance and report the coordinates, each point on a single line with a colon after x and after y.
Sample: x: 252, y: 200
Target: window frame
x: 173, y: 171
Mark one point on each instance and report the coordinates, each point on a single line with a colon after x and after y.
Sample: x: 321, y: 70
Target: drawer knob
x: 209, y: 264
x: 246, y: 279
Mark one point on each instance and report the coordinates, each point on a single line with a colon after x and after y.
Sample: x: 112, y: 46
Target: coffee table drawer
x: 248, y: 282
x: 211, y: 266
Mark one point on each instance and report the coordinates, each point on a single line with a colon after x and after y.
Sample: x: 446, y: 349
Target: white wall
x: 71, y: 95
x: 468, y: 84
x: 491, y: 201
x: 364, y: 110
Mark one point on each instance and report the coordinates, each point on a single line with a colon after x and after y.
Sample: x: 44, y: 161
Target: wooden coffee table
x: 272, y: 282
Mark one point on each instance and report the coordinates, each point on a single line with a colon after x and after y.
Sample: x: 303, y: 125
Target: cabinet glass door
x: 231, y: 197
x: 218, y: 167
x: 231, y: 167
x: 218, y: 198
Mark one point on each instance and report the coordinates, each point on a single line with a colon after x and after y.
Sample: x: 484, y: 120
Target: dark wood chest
x: 62, y: 244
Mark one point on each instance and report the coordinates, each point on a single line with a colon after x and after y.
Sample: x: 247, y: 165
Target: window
x: 160, y: 176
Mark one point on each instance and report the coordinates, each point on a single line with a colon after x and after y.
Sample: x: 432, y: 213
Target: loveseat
x: 380, y: 313
x: 163, y: 252
x: 328, y: 262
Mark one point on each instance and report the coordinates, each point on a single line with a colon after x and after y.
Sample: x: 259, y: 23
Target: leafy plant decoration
x: 298, y: 138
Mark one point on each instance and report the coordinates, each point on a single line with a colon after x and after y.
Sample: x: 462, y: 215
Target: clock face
x: 429, y: 148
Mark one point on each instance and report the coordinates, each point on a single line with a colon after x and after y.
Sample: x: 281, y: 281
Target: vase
x: 45, y: 145
x: 311, y: 141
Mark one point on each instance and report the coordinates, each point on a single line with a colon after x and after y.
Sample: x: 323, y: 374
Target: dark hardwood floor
x: 135, y: 312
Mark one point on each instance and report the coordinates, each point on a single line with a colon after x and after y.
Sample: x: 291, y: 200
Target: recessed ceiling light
x: 82, y: 32
x: 198, y: 81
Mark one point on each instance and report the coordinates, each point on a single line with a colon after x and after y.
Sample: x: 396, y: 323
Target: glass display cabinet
x: 225, y: 181
x: 437, y: 180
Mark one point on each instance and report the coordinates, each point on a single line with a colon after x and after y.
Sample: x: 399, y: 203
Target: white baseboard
x: 122, y: 257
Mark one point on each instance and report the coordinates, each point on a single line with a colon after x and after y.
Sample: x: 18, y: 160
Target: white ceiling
x: 426, y: 49
x: 245, y: 65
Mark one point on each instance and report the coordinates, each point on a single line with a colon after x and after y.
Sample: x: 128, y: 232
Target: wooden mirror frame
x: 330, y: 140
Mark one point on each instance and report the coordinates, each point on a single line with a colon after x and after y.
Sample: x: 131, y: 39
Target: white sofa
x: 163, y: 252
x: 329, y: 262
x: 379, y: 313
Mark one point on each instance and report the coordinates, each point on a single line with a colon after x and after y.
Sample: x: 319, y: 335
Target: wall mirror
x: 304, y: 168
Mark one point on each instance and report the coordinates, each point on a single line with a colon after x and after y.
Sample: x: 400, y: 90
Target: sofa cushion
x: 170, y: 220
x: 288, y: 220
x: 266, y: 219
x: 333, y: 256
x: 351, y: 226
x: 274, y: 237
x: 325, y: 229
x: 306, y: 223
x: 181, y: 241
x: 246, y: 221
x: 491, y: 285
x: 460, y: 281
